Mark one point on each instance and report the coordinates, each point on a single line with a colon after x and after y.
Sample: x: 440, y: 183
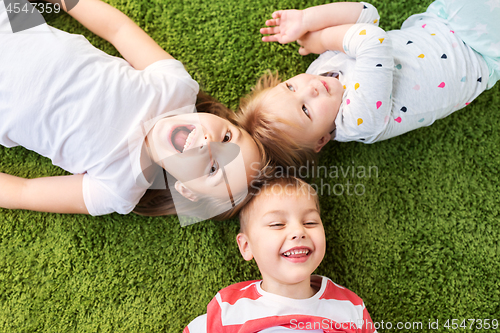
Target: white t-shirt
x: 400, y: 80
x: 85, y: 110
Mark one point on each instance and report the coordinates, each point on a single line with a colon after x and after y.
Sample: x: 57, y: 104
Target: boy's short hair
x: 263, y: 126
x: 277, y: 186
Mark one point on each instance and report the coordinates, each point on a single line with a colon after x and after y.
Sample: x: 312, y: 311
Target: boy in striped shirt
x: 282, y: 230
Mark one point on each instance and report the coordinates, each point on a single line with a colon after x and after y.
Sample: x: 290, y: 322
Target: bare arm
x: 332, y: 14
x: 317, y: 42
x: 62, y: 194
x: 291, y: 25
x: 128, y: 38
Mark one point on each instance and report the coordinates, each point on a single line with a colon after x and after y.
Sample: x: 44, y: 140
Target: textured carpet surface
x: 414, y: 230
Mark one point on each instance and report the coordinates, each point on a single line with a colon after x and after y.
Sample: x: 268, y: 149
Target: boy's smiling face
x: 285, y: 236
x: 310, y: 103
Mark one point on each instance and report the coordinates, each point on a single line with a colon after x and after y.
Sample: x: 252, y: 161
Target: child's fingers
x: 273, y: 38
x: 273, y: 22
x: 270, y: 31
x: 303, y: 51
x: 277, y: 14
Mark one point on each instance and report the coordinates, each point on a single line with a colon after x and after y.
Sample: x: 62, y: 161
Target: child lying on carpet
x: 282, y: 230
x: 113, y: 123
x: 370, y: 85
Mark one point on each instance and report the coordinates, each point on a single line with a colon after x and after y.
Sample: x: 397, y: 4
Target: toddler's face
x: 311, y: 103
x: 285, y: 236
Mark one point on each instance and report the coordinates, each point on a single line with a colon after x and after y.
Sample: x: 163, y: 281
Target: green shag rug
x: 414, y: 230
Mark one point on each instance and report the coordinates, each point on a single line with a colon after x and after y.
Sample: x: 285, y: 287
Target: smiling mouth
x: 296, y: 253
x: 182, y: 136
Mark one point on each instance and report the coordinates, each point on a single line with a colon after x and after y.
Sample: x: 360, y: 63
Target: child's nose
x: 206, y: 137
x: 298, y: 232
x: 205, y: 141
x: 313, y: 90
x: 302, y: 236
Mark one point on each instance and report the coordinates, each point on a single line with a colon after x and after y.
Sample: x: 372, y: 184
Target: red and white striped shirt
x: 245, y: 308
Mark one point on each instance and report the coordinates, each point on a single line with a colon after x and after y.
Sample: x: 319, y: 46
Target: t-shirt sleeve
x: 214, y: 315
x: 171, y: 68
x: 198, y: 325
x: 100, y: 200
x: 368, y: 326
x: 369, y: 14
x: 177, y: 90
x: 366, y: 103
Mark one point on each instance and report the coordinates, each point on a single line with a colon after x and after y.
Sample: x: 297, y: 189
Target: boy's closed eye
x: 311, y: 223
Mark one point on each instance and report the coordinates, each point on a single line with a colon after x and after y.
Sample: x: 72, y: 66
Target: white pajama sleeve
x: 366, y: 104
x: 369, y: 14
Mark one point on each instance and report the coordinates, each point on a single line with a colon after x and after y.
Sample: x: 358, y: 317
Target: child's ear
x: 185, y: 192
x: 244, y: 246
x: 323, y: 141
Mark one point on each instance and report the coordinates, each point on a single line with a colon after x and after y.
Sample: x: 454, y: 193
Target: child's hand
x: 287, y: 26
x: 311, y: 43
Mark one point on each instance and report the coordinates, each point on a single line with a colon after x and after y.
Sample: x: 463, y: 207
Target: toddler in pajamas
x: 369, y: 85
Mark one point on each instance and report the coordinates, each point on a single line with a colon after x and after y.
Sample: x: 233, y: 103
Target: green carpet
x: 420, y: 244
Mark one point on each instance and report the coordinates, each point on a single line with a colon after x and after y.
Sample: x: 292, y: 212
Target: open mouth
x: 296, y: 253
x: 182, y: 137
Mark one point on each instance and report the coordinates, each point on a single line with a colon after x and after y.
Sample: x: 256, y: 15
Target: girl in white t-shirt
x: 112, y: 122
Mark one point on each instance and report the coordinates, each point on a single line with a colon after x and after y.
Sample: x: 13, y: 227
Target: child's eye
x: 311, y: 223
x: 306, y: 111
x: 227, y: 137
x: 290, y: 87
x: 277, y: 225
x: 214, y: 168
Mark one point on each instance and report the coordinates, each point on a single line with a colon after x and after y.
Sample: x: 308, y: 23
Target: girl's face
x: 310, y: 103
x: 208, y: 155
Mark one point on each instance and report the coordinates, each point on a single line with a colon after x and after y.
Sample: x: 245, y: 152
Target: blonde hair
x: 284, y: 184
x: 160, y: 202
x: 253, y: 116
